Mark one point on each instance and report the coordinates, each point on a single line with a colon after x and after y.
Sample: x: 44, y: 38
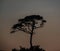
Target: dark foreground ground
x: 34, y: 48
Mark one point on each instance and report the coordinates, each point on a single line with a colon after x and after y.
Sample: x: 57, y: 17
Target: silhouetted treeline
x: 34, y: 48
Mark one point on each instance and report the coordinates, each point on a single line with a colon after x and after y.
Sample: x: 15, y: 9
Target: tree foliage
x: 25, y: 24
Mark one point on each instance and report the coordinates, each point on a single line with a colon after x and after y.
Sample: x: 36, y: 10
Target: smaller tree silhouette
x: 28, y: 24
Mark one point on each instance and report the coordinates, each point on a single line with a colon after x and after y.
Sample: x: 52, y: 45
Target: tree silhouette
x: 28, y: 24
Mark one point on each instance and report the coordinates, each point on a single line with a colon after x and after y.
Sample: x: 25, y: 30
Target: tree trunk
x: 31, y: 41
x: 32, y: 34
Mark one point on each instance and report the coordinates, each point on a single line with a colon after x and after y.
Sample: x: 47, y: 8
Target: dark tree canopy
x: 27, y: 21
x: 32, y: 17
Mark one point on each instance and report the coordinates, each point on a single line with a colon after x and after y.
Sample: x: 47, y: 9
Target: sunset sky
x: 47, y: 37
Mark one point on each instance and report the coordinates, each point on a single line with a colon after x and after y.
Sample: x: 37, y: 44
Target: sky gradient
x: 47, y: 37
